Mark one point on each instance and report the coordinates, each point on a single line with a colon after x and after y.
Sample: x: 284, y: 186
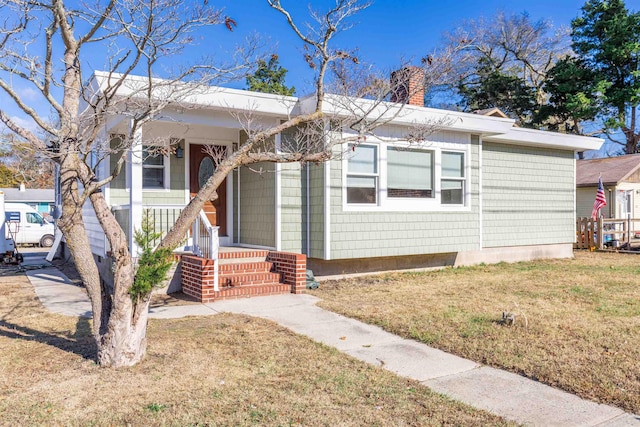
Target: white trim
x: 269, y: 105
x: 238, y: 213
x: 187, y: 171
x: 246, y: 245
x: 539, y: 138
x: 481, y: 195
x: 135, y: 195
x: 228, y: 239
x: 575, y: 205
x: 278, y: 200
x: 327, y: 211
x: 167, y: 206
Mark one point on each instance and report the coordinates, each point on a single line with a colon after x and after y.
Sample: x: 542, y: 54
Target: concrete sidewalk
x: 508, y: 395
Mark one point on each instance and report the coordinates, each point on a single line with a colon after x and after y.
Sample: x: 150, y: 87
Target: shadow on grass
x: 81, y: 342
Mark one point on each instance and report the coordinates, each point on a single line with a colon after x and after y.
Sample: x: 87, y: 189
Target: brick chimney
x: 407, y: 86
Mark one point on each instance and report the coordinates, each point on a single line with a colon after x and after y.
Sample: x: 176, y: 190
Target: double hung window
x: 153, y: 170
x: 362, y: 174
x: 453, y: 180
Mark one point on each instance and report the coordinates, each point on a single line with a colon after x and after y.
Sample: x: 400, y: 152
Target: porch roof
x: 492, y: 128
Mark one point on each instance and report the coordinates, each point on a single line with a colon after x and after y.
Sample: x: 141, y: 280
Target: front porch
x: 214, y: 259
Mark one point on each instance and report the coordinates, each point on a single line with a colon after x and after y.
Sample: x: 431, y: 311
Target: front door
x: 202, y: 166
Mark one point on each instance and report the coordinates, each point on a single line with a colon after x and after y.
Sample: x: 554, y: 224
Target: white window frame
x: 166, y: 161
x: 375, y: 176
x: 463, y: 179
x: 397, y: 204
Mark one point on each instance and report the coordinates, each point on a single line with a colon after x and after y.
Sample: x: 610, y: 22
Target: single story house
x: 621, y: 180
x: 479, y: 190
x: 41, y: 200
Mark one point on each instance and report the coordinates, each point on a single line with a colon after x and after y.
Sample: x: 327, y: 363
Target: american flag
x: 601, y: 200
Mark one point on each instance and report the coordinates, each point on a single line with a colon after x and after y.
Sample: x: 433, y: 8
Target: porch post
x: 135, y: 190
x: 214, y: 242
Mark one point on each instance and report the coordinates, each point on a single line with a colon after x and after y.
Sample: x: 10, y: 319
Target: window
x: 409, y: 173
x: 33, y: 218
x: 153, y: 166
x: 453, y: 180
x: 396, y: 176
x: 362, y: 174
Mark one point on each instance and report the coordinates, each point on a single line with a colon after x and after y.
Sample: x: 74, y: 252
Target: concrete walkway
x: 508, y: 395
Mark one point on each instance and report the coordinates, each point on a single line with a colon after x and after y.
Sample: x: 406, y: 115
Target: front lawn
x: 577, y: 322
x: 200, y: 371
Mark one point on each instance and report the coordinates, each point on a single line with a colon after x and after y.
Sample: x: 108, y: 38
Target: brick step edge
x: 225, y: 280
x: 245, y: 268
x: 246, y: 292
x: 235, y: 261
x: 243, y: 254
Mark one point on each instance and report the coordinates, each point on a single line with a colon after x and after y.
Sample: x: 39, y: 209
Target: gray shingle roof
x: 613, y: 170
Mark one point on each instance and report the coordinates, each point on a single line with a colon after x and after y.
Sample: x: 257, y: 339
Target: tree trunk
x: 123, y: 342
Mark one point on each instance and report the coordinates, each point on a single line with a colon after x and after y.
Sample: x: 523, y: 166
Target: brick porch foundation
x: 279, y: 273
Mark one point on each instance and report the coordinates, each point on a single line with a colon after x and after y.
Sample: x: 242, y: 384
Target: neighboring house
x: 621, y: 180
x: 41, y: 200
x: 480, y: 190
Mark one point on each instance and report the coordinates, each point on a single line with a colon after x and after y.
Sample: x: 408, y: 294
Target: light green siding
x: 528, y: 196
x: 316, y: 210
x: 175, y: 195
x: 236, y: 218
x: 585, y: 196
x: 257, y: 205
x: 381, y: 234
x: 293, y: 203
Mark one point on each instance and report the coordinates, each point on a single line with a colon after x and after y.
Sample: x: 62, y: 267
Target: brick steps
x: 243, y: 273
x: 246, y: 291
x: 242, y: 279
x: 241, y: 254
x: 245, y: 267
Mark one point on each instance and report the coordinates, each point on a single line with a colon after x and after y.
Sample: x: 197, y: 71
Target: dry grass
x: 583, y: 318
x: 219, y: 370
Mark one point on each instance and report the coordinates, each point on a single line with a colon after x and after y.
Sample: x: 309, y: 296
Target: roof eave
x: 546, y: 139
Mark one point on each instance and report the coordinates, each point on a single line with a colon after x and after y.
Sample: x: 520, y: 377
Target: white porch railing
x: 206, y: 243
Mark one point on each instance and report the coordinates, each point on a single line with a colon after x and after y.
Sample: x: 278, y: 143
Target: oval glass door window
x: 205, y: 170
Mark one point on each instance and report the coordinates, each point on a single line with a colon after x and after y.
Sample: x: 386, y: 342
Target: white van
x: 26, y: 226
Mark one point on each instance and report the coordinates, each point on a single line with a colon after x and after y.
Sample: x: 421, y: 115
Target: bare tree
x: 27, y: 166
x: 511, y: 48
x: 138, y: 37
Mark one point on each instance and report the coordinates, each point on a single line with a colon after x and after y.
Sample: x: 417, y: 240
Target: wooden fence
x: 587, y: 235
x: 605, y: 232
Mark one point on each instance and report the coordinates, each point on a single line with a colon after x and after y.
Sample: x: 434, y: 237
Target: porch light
x: 179, y: 151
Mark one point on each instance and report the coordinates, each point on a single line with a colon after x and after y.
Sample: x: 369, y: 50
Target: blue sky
x: 387, y: 32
